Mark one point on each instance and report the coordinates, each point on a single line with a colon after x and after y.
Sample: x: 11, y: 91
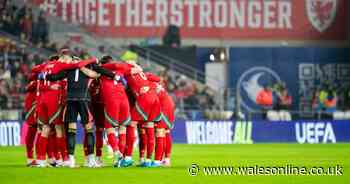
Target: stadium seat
x: 227, y: 114
x: 339, y: 115
x: 285, y: 116
x: 347, y: 115
x: 273, y: 116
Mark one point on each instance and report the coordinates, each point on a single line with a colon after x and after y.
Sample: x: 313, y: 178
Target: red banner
x: 214, y: 19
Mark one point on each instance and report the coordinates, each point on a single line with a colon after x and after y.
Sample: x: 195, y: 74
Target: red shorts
x: 63, y: 104
x: 168, y: 110
x: 30, y: 108
x: 117, y: 111
x: 49, y: 108
x: 146, y: 108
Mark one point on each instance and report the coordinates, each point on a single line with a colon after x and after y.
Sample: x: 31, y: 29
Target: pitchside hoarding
x: 217, y: 19
x: 225, y: 132
x: 10, y: 133
x: 230, y: 132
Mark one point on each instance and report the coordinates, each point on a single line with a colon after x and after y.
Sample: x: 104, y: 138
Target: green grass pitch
x: 13, y: 171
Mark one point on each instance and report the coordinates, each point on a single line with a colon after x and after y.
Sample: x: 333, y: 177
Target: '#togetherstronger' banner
x: 225, y: 19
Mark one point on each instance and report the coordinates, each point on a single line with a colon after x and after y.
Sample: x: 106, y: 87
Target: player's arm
x: 31, y: 86
x: 151, y: 77
x: 55, y: 77
x: 90, y: 73
x: 103, y: 71
x: 38, y: 68
x: 120, y: 67
x: 64, y: 67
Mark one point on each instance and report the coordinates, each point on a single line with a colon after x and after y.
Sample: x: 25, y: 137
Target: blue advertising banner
x: 10, y: 133
x: 301, y: 69
x: 229, y: 132
x: 13, y: 133
x: 226, y: 132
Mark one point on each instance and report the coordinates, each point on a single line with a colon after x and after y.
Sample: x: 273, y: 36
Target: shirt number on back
x: 143, y: 76
x: 76, y: 77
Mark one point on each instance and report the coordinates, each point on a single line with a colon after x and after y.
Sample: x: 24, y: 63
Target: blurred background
x: 222, y: 60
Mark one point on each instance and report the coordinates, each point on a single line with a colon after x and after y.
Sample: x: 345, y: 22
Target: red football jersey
x: 137, y: 80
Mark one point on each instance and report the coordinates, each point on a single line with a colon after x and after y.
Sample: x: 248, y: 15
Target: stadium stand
x: 25, y: 42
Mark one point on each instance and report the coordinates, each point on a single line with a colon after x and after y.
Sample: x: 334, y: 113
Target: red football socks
x: 62, y: 147
x: 85, y: 145
x: 99, y: 142
x: 142, y: 143
x: 150, y: 142
x: 37, y: 147
x: 51, y: 146
x: 168, y: 145
x: 30, y: 138
x: 130, y: 139
x: 122, y: 143
x: 42, y: 146
x: 112, y: 141
x: 159, y: 148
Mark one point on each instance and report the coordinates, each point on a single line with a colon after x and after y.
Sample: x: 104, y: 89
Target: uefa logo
x: 252, y: 82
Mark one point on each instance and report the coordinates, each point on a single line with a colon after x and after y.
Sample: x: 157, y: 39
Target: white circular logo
x: 249, y: 85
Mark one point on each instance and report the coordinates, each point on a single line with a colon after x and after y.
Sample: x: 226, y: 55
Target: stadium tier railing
x: 170, y: 63
x: 30, y: 48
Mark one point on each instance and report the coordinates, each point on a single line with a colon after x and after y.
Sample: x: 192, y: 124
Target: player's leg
x: 167, y: 147
x: 85, y: 140
x: 43, y: 138
x: 98, y: 116
x: 30, y: 138
x: 154, y: 116
x: 142, y: 142
x: 30, y: 109
x: 62, y: 141
x: 113, y: 142
x: 51, y: 147
x: 61, y: 144
x: 99, y: 145
x: 111, y: 113
x: 54, y: 112
x: 85, y: 115
x: 37, y: 147
x: 140, y: 113
x: 168, y: 118
x: 130, y: 140
x: 124, y: 120
x: 71, y: 119
x: 127, y: 130
x: 160, y: 139
x: 122, y: 139
x: 72, y: 131
x: 149, y: 126
x: 43, y: 142
x: 85, y: 149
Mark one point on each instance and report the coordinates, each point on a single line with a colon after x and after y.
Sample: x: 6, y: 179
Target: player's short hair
x: 76, y: 58
x: 65, y: 58
x: 106, y: 59
x: 54, y: 58
x: 64, y: 51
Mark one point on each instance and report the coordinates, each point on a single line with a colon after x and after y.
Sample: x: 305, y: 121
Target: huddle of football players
x: 115, y: 98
